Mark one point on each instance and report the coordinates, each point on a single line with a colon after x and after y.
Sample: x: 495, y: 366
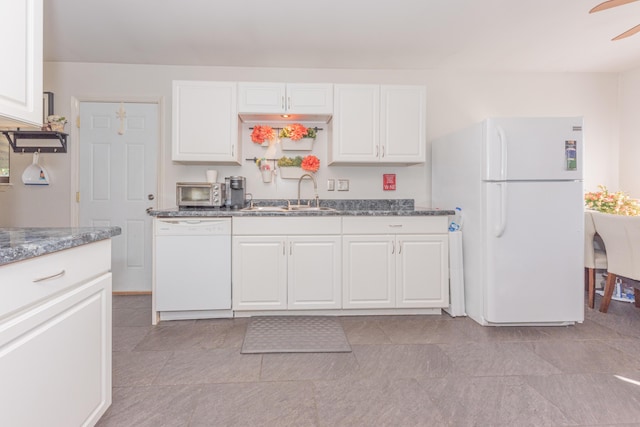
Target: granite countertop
x: 17, y: 244
x: 370, y: 207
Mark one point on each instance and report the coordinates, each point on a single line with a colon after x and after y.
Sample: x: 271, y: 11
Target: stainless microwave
x: 200, y: 194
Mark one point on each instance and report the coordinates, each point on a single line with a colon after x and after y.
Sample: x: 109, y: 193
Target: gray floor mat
x: 295, y: 334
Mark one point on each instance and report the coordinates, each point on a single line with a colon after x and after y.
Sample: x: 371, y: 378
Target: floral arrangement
x: 56, y: 119
x: 296, y: 132
x: 263, y: 164
x: 618, y: 203
x: 262, y: 133
x: 309, y: 163
x: 55, y: 123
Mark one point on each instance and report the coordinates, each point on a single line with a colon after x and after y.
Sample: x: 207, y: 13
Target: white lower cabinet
x: 386, y: 269
x: 55, y: 356
x: 296, y: 266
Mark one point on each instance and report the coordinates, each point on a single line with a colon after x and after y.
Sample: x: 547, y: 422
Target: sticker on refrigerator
x: 570, y: 155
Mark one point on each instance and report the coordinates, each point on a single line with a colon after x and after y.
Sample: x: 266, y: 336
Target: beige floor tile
x: 307, y: 366
x: 210, y: 366
x: 591, y: 356
x: 591, y: 399
x: 401, y: 361
x: 364, y: 330
x: 131, y: 317
x: 132, y: 301
x: 423, y: 330
x: 496, y: 359
x: 185, y: 336
x: 277, y: 404
x: 375, y: 402
x: 137, y: 368
x: 492, y: 401
x: 151, y: 407
x: 125, y: 338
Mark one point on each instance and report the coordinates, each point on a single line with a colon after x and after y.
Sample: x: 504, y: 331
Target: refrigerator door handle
x: 503, y: 152
x: 503, y: 209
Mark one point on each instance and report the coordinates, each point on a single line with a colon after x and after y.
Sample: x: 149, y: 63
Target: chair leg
x: 608, y: 292
x: 592, y: 286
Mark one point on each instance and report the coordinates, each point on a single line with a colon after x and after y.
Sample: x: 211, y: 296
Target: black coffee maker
x: 236, y: 192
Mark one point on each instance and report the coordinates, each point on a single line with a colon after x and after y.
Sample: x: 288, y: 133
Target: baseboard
x: 131, y: 293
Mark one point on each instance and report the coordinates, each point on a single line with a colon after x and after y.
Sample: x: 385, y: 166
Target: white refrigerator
x: 519, y: 184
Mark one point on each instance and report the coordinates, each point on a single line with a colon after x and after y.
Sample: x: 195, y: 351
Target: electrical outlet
x: 331, y: 184
x: 343, y: 185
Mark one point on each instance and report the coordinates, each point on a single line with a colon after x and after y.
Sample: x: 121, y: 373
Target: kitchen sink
x: 265, y: 209
x: 311, y: 208
x: 292, y: 208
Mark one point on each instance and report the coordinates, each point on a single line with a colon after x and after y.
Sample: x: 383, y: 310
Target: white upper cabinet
x: 375, y: 124
x: 205, y: 122
x: 314, y: 99
x: 21, y: 74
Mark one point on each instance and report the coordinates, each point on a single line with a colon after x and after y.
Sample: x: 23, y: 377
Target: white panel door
x: 314, y: 272
x: 356, y: 124
x: 256, y: 97
x: 534, y: 254
x: 422, y: 275
x: 369, y: 271
x: 205, y: 122
x: 402, y: 124
x: 531, y: 148
x: 55, y: 360
x: 259, y: 273
x: 21, y: 72
x: 308, y: 98
x: 118, y: 183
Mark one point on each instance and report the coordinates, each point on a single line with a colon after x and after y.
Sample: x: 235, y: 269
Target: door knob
x: 150, y: 197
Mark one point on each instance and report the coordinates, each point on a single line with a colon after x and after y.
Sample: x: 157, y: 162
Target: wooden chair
x: 621, y: 236
x: 595, y: 257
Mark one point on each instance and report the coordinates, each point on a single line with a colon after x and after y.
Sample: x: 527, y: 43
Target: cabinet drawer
x: 285, y: 226
x: 79, y: 264
x: 395, y: 225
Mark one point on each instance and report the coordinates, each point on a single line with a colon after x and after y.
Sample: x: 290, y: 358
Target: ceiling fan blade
x: 609, y: 4
x: 627, y: 33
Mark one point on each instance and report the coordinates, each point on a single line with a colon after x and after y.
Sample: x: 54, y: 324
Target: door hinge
x: 77, y: 197
x: 78, y: 122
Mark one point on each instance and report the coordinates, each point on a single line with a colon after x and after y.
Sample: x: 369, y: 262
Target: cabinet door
x: 356, y: 123
x: 314, y: 272
x: 259, y: 270
x: 422, y: 278
x: 402, y: 124
x: 262, y: 97
x: 205, y: 122
x: 309, y: 98
x: 55, y: 360
x: 369, y: 271
x: 21, y: 77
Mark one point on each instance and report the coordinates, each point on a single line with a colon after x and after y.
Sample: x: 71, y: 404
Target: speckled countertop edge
x: 18, y: 244
x: 373, y: 207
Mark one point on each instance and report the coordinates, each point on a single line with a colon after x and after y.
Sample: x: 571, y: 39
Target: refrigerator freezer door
x: 533, y: 252
x: 533, y: 149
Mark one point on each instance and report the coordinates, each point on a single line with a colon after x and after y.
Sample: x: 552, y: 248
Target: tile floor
x: 403, y: 371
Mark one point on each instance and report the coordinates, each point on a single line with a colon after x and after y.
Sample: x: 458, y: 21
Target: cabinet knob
x: 151, y: 197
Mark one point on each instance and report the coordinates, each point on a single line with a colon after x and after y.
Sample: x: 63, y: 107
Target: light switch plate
x: 343, y: 185
x: 331, y: 184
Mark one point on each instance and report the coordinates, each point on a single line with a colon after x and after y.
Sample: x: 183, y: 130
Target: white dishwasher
x: 192, y: 268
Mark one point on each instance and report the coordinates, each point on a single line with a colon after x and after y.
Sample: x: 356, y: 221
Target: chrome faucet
x: 315, y: 188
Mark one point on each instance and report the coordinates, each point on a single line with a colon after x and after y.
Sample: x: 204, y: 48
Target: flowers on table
x: 296, y: 132
x: 262, y: 133
x: 618, y: 203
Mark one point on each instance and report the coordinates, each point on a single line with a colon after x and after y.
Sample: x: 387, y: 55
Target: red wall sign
x: 388, y: 181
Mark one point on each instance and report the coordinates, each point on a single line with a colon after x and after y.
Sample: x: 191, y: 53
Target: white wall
x: 630, y: 133
x: 454, y: 100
